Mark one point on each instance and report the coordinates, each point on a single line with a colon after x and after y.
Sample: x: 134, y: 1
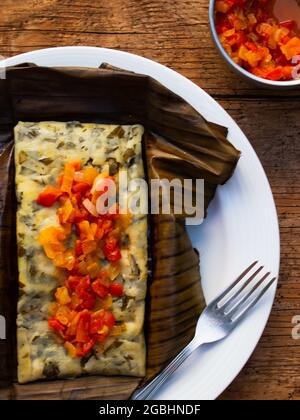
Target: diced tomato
x: 73, y: 282
x: 102, y: 337
x: 104, y: 227
x: 71, y: 331
x: 88, y: 300
x: 82, y: 349
x: 260, y: 72
x: 73, y: 315
x: 100, y: 290
x: 79, y: 216
x: 49, y: 196
x: 83, y: 292
x: 237, y: 39
x: 78, y: 248
x: 287, y: 72
x: 87, y: 347
x: 83, y: 285
x: 111, y: 249
x: 83, y: 328
x: 114, y: 255
x: 81, y: 187
x: 250, y: 45
x: 56, y: 325
x: 97, y: 323
x: 255, y: 39
x: 116, y: 289
x: 109, y: 319
x: 275, y: 74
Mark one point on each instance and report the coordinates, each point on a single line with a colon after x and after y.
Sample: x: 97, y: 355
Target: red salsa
x: 258, y: 37
x: 82, y: 313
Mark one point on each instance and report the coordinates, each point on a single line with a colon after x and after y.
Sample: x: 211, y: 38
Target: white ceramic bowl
x: 258, y: 80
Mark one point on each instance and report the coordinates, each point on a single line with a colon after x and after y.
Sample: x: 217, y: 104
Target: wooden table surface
x: 176, y: 33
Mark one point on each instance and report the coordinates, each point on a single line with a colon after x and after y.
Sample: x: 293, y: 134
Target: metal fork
x: 217, y: 321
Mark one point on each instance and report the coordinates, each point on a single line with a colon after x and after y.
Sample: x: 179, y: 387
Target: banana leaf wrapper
x: 179, y: 143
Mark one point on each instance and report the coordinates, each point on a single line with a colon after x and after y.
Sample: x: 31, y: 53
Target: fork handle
x: 149, y: 390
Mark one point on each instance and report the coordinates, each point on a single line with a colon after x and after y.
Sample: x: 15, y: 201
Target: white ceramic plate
x: 241, y: 227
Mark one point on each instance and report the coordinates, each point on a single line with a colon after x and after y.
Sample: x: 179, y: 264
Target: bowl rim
x: 226, y: 56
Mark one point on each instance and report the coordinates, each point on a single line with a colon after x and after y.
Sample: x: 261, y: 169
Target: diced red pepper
x: 81, y: 188
x: 109, y: 319
x: 102, y: 337
x: 72, y: 329
x: 104, y: 227
x: 116, y: 289
x: 88, y: 300
x: 255, y: 39
x: 56, y: 325
x: 111, y: 249
x: 100, y: 290
x: 87, y: 347
x: 49, y: 196
x: 79, y: 216
x: 251, y: 46
x: 113, y: 256
x: 73, y: 316
x: 83, y: 328
x: 73, y: 282
x: 78, y: 248
x: 97, y: 324
x: 83, y: 285
x: 275, y: 74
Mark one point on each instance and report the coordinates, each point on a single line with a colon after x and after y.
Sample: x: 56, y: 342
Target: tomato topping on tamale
x: 82, y: 273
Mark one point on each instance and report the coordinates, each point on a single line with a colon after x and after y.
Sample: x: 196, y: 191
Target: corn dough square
x: 41, y: 151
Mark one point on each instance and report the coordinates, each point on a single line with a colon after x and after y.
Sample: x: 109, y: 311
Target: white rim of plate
x: 84, y: 56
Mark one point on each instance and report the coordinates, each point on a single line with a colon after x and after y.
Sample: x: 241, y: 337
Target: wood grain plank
x: 176, y: 33
x: 173, y: 32
x: 273, y: 128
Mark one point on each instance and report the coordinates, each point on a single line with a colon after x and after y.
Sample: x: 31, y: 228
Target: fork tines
x: 244, y: 293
